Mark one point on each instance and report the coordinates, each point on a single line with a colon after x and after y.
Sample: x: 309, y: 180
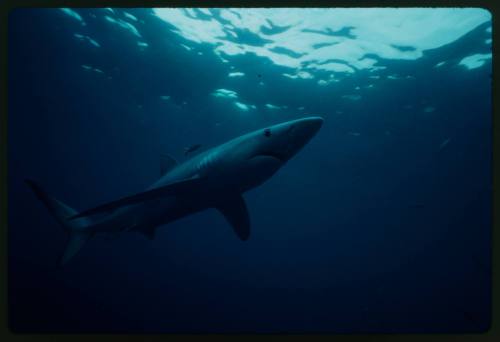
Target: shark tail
x: 78, y: 230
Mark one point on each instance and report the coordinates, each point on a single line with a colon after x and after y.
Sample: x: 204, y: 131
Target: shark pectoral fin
x: 235, y: 211
x: 167, y: 163
x: 172, y: 189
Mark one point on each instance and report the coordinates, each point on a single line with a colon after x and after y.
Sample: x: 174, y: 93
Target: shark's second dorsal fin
x: 235, y: 211
x: 167, y: 163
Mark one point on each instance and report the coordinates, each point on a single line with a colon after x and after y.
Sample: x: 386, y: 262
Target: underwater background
x: 382, y: 223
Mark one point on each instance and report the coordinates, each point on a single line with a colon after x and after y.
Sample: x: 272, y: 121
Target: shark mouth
x: 274, y: 155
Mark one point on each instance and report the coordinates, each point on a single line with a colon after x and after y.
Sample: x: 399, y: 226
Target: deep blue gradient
x: 381, y: 231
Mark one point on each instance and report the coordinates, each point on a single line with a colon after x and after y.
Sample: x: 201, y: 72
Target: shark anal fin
x: 172, y: 189
x: 167, y: 163
x: 235, y: 211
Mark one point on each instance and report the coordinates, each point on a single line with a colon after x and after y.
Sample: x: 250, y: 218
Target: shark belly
x: 166, y: 210
x: 134, y: 216
x: 150, y: 214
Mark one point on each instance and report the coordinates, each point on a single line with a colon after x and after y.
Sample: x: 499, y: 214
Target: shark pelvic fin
x: 235, y: 211
x: 167, y: 163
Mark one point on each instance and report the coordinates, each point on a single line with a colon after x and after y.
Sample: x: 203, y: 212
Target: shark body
x: 215, y: 178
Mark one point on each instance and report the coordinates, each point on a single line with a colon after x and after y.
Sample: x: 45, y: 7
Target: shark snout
x: 312, y: 124
x: 295, y: 135
x: 308, y: 127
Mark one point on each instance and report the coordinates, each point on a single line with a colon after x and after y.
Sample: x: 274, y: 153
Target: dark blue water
x: 381, y: 223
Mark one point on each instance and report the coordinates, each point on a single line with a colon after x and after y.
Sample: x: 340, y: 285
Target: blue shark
x: 216, y: 178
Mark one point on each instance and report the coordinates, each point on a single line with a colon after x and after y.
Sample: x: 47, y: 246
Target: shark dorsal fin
x: 167, y: 163
x: 235, y: 211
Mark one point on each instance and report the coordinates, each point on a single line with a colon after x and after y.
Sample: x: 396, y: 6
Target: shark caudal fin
x: 77, y: 229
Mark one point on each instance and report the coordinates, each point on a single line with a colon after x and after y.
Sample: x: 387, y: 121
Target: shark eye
x: 267, y: 132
